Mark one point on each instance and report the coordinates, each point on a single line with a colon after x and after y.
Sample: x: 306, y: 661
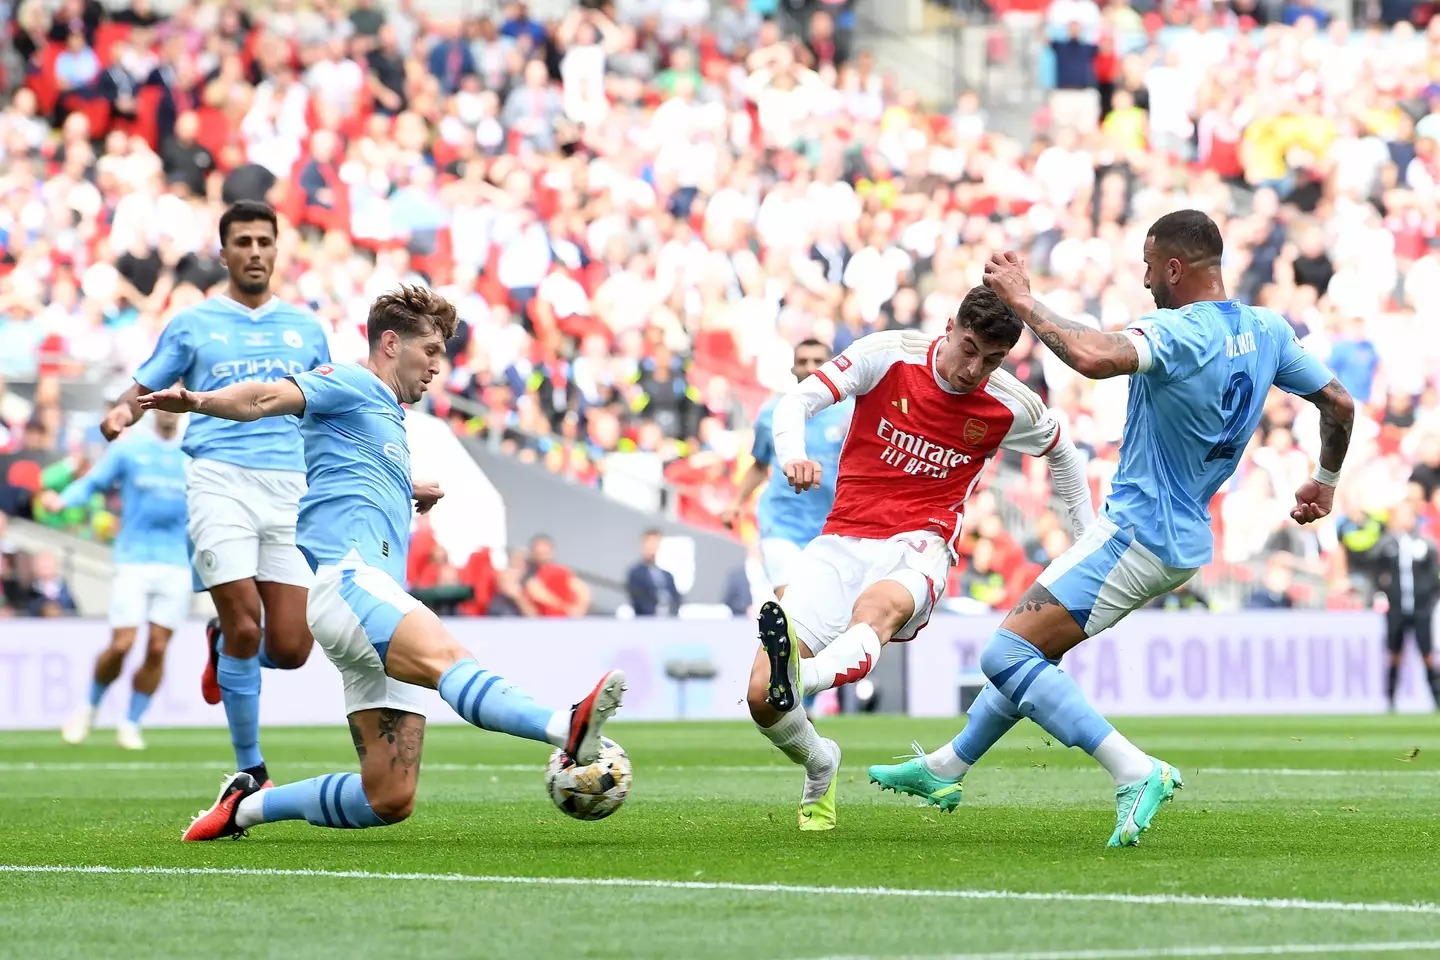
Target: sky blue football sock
x: 240, y: 692
x: 139, y: 703
x: 1042, y: 691
x: 486, y: 700
x: 97, y: 692
x: 990, y: 717
x: 333, y: 800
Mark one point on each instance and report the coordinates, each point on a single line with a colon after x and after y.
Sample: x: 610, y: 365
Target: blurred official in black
x: 1407, y: 570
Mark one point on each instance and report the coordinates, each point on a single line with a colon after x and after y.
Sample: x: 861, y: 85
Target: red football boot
x: 219, y: 820
x: 590, y: 714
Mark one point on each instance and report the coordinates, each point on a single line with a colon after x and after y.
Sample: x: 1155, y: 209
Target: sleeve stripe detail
x: 1007, y: 384
x: 1144, y: 354
x: 1054, y: 442
x: 825, y: 379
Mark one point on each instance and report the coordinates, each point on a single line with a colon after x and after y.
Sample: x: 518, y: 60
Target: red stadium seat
x: 107, y: 35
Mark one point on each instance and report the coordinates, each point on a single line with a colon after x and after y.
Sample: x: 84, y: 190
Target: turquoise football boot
x: 1136, y: 803
x: 914, y: 778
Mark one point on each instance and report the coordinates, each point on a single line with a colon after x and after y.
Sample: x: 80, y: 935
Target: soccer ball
x: 593, y: 792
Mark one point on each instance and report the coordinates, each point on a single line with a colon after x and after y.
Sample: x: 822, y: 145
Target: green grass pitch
x: 1305, y: 836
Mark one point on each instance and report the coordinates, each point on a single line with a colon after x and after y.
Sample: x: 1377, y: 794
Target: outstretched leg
x: 422, y: 652
x: 389, y: 743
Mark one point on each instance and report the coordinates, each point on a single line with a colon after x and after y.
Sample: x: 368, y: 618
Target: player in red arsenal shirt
x: 930, y: 414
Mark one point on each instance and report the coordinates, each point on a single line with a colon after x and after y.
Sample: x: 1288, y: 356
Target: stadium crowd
x: 639, y: 209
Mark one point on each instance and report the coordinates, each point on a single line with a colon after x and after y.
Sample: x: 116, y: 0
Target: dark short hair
x: 652, y: 532
x: 812, y: 342
x: 987, y: 316
x: 1189, y: 236
x: 410, y: 311
x: 247, y: 211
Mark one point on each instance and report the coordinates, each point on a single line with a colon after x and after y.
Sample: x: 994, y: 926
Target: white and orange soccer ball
x: 592, y: 792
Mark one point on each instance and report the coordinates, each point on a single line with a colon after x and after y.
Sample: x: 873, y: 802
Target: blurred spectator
x: 1184, y: 597
x: 511, y: 598
x: 552, y: 588
x: 1408, y: 572
x: 46, y: 592
x: 651, y: 588
x: 1274, y: 592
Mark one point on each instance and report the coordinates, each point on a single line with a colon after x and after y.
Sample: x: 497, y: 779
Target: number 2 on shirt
x: 1236, y: 404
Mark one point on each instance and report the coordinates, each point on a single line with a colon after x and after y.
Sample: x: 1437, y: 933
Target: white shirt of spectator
x: 273, y: 142
x: 1172, y: 100
x: 582, y: 75
x: 874, y: 275
x: 679, y: 263
x: 1062, y: 13
x: 565, y: 296
x: 729, y: 208
x: 833, y: 202
x: 337, y: 82
x: 524, y: 257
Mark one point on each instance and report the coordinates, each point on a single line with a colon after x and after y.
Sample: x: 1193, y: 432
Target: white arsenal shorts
x: 833, y: 571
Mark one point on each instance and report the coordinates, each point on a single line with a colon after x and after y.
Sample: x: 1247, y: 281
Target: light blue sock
x: 990, y: 717
x: 333, y: 800
x: 139, y: 703
x: 487, y: 701
x: 264, y: 658
x: 1042, y: 691
x: 240, y: 692
x: 97, y: 692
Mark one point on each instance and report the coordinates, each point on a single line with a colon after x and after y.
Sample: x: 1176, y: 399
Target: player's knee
x: 242, y: 638
x: 155, y: 648
x: 121, y: 644
x: 284, y: 651
x: 998, y: 655
x: 889, y: 604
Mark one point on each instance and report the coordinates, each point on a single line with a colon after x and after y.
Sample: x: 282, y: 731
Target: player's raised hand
x: 1005, y: 273
x: 116, y: 421
x: 803, y: 474
x: 175, y: 400
x: 1313, y: 501
x: 427, y: 493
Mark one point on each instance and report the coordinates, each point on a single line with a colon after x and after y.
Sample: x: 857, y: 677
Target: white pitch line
x: 1250, y: 950
x: 141, y: 766
x: 1140, y: 899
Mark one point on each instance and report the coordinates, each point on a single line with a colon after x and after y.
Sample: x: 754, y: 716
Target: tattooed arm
x: 1337, y: 416
x: 1316, y: 496
x: 1087, y: 351
x: 1091, y: 353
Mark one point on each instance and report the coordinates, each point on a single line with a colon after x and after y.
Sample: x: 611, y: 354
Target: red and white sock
x: 848, y: 658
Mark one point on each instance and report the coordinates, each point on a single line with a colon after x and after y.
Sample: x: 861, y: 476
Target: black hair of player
x: 984, y: 314
x: 1189, y: 236
x: 247, y: 211
x: 812, y: 342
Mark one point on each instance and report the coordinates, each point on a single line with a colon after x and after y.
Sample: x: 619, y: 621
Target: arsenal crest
x: 974, y: 432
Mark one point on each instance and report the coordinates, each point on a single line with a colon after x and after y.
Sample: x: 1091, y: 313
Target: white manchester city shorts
x: 833, y: 571
x: 353, y: 610
x: 1106, y: 575
x: 242, y: 523
x: 157, y: 593
x: 778, y: 558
